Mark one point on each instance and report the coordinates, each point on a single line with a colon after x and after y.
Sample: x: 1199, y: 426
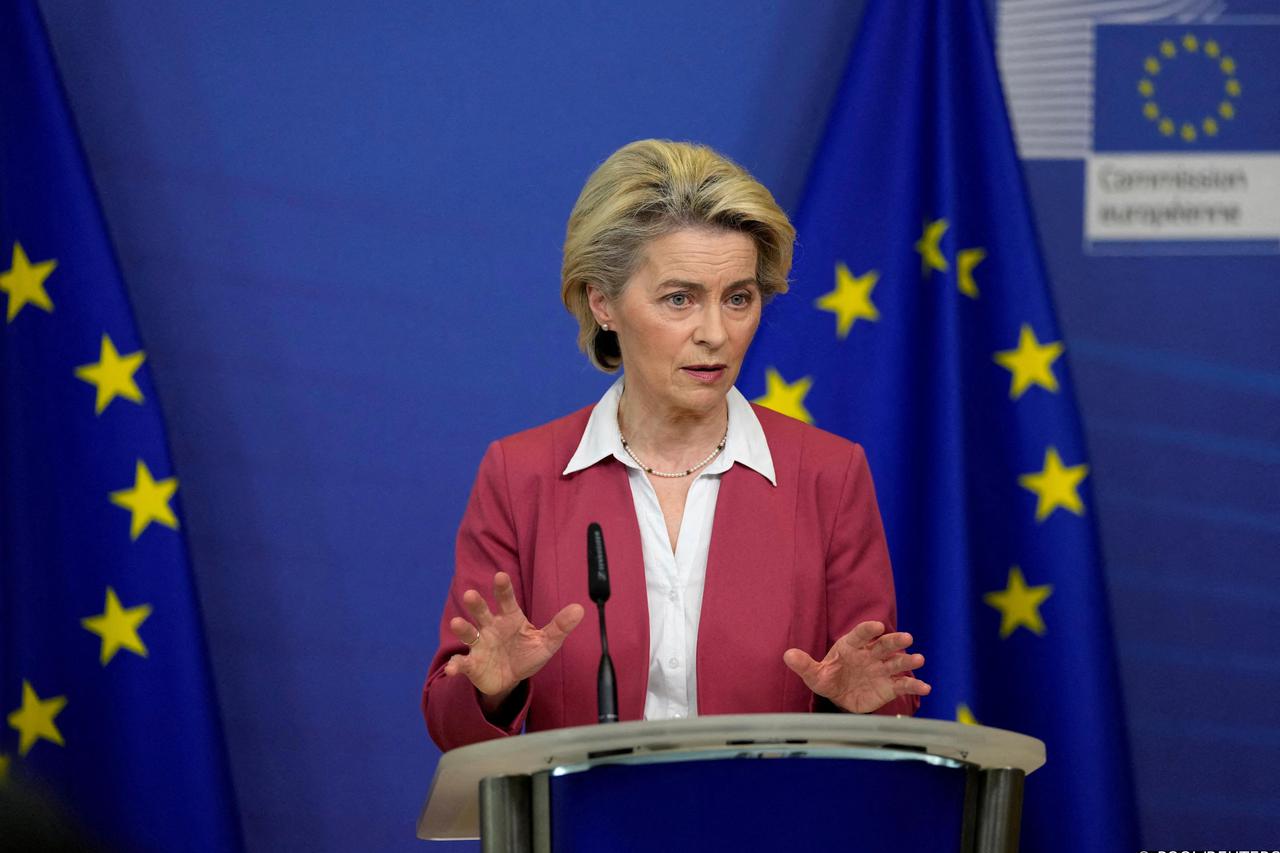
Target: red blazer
x: 796, y: 565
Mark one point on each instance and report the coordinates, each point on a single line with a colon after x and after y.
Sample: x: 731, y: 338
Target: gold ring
x: 473, y: 642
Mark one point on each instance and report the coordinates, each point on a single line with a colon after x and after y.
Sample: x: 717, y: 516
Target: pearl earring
x: 604, y: 327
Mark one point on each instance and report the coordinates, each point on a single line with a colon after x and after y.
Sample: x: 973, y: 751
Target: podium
x: 745, y: 782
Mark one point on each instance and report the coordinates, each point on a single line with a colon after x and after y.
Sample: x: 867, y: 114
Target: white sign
x: 1227, y: 196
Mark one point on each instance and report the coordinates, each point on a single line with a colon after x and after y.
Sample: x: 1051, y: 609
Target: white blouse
x: 674, y: 580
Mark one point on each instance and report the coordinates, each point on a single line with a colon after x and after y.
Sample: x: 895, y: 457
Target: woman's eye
x: 678, y: 300
x: 740, y: 300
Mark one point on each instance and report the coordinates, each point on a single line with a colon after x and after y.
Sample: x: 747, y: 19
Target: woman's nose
x: 711, y: 331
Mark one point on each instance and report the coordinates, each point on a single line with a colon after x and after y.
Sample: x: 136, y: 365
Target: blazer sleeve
x: 487, y: 543
x: 859, y: 576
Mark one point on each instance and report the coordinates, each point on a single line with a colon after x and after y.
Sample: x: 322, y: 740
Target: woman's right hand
x: 504, y: 647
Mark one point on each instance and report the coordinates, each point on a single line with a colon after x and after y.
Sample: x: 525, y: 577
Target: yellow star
x: 148, y: 500
x: 965, y: 716
x: 1167, y: 49
x: 112, y: 374
x: 1227, y: 110
x: 786, y: 397
x: 1189, y: 43
x: 118, y: 627
x: 1031, y: 363
x: 1055, y: 486
x: 1146, y: 88
x: 1211, y: 48
x: 1228, y: 65
x: 851, y: 300
x: 24, y: 282
x: 34, y: 720
x: 930, y: 254
x: 1232, y: 87
x: 1151, y: 65
x: 965, y: 262
x: 1019, y: 604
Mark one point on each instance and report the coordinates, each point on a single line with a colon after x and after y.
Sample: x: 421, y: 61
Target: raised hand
x: 504, y: 647
x: 865, y: 669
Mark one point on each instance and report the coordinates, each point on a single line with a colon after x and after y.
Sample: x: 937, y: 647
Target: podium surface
x: 453, y: 808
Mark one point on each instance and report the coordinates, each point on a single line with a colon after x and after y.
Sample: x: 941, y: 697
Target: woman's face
x: 685, y: 319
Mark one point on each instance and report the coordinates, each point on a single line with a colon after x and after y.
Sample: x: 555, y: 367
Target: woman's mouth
x: 707, y: 373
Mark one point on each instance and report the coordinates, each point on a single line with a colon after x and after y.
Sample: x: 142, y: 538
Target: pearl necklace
x: 648, y: 470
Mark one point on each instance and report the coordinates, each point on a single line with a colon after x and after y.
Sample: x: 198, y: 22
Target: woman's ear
x: 599, y: 305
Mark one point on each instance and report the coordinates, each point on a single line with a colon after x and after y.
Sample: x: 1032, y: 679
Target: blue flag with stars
x: 1187, y: 87
x: 106, y: 699
x: 920, y: 325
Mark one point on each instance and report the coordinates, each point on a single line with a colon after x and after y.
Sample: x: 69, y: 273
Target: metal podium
x: 748, y: 782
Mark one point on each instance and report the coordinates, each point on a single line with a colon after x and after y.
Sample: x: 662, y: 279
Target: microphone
x: 598, y: 588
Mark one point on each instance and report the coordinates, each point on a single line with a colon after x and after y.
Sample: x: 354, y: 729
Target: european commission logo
x: 1179, y: 88
x: 1186, y: 137
x: 1189, y: 117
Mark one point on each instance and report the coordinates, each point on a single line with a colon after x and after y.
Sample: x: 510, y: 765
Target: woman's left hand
x: 865, y: 669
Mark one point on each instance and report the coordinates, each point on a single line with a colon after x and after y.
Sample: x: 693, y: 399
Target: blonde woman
x: 748, y: 564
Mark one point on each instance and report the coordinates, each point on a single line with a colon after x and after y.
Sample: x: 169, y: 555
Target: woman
x: 748, y: 564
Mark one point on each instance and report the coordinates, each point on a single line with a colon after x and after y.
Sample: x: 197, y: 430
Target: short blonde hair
x: 648, y: 189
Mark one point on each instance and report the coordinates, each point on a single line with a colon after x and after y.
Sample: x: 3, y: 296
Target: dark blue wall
x: 340, y: 226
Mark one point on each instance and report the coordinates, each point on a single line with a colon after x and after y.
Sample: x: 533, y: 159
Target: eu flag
x: 106, y: 699
x: 920, y: 325
x: 1187, y: 87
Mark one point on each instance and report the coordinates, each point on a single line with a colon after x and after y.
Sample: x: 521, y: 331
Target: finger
x: 466, y: 633
x: 911, y: 686
x: 799, y: 662
x: 863, y: 633
x: 456, y: 665
x: 505, y: 593
x: 564, y: 622
x: 478, y: 608
x: 890, y: 644
x: 903, y: 663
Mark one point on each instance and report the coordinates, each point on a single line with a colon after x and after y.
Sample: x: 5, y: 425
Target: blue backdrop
x: 340, y: 229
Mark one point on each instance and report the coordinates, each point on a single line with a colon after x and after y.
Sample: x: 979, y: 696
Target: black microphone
x: 598, y: 588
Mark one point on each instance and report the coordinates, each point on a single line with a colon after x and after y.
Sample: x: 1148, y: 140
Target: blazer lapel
x: 746, y: 603
x: 602, y: 494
